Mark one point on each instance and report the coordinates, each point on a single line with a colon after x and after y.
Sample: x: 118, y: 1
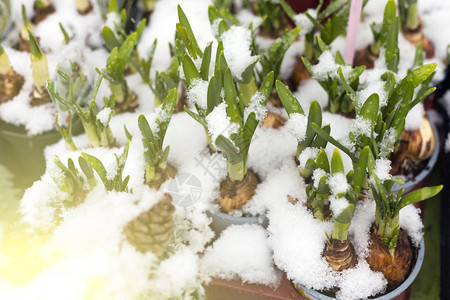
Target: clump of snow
x: 104, y: 115
x: 307, y: 154
x: 388, y: 140
x: 414, y: 118
x: 198, y: 93
x: 338, y: 183
x: 256, y: 106
x: 382, y: 168
x: 242, y: 251
x: 360, y: 282
x: 370, y: 82
x: 327, y: 67
x: 296, y: 125
x: 237, y: 50
x: 303, y: 21
x: 309, y: 91
x: 362, y: 126
x: 317, y: 175
x: 359, y: 230
x: 219, y: 123
x: 338, y: 205
x: 411, y: 221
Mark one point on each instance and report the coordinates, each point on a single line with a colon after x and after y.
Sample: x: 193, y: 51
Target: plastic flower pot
x: 400, y: 293
x: 24, y: 154
x: 417, y: 182
x: 220, y: 220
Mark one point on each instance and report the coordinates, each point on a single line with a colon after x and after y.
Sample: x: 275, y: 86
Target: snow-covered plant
x: 273, y: 18
x: 157, y: 169
x: 5, y: 64
x: 272, y: 58
x: 42, y: 4
x: 304, y: 133
x: 165, y: 81
x: 231, y: 125
x: 115, y: 67
x: 39, y: 65
x: 115, y: 35
x: 73, y: 183
x: 387, y: 30
x: 96, y: 124
x: 67, y: 38
x: 389, y: 204
x: 112, y: 182
x: 345, y: 192
x: 325, y: 74
x: 336, y: 16
x: 409, y: 18
x: 238, y: 48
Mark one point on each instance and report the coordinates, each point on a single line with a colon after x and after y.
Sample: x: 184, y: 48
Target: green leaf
x: 95, y: 163
x: 392, y: 53
x: 110, y: 38
x: 204, y: 68
x: 196, y: 117
x: 266, y: 87
x: 230, y: 98
x: 188, y: 30
x: 360, y: 169
x: 190, y: 71
x: 369, y: 110
x: 288, y: 10
x: 345, y: 217
x: 322, y: 133
x: 337, y: 166
x: 418, y: 58
x: 34, y: 46
x: 213, y: 97
x: 290, y: 103
x: 419, y: 195
x: 314, y: 116
x: 145, y: 129
x: 229, y: 150
x: 322, y: 161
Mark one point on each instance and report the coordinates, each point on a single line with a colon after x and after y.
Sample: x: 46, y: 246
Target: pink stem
x: 352, y: 30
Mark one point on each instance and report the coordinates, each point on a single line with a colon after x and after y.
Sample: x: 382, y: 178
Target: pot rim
x: 409, y: 184
x: 392, y: 294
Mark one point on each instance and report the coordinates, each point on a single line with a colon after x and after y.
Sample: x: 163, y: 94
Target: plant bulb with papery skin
x: 421, y: 142
x: 395, y: 267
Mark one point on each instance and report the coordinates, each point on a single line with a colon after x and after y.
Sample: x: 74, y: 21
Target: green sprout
x: 26, y: 26
x: 117, y: 183
x: 39, y: 64
x: 388, y: 206
x: 116, y: 36
x: 247, y: 81
x: 157, y: 169
x: 409, y: 18
x: 115, y: 67
x: 73, y: 183
x: 235, y: 146
x: 223, y: 4
x: 338, y: 101
x: 97, y: 130
x: 67, y: 38
x: 388, y: 31
x: 311, y: 138
x: 66, y: 133
x: 5, y: 64
x: 273, y: 18
x: 336, y: 15
x: 42, y: 4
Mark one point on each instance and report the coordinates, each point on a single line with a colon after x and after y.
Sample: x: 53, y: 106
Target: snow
x: 362, y: 127
x: 256, y: 106
x: 414, y: 118
x: 237, y: 50
x: 338, y: 183
x: 219, y: 123
x: 338, y: 205
x: 327, y: 67
x: 296, y: 125
x: 302, y: 20
x: 317, y: 175
x: 104, y: 115
x: 242, y: 252
x: 307, y: 154
x: 198, y: 92
x: 382, y: 168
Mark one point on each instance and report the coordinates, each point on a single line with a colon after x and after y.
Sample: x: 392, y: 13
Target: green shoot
x: 26, y: 26
x: 39, y: 65
x: 409, y: 18
x: 338, y: 100
x: 156, y: 167
x: 115, y: 67
x: 310, y: 138
x: 116, y: 183
x: 67, y: 133
x: 67, y: 38
x: 73, y: 183
x: 97, y: 130
x: 388, y: 206
x: 5, y: 64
